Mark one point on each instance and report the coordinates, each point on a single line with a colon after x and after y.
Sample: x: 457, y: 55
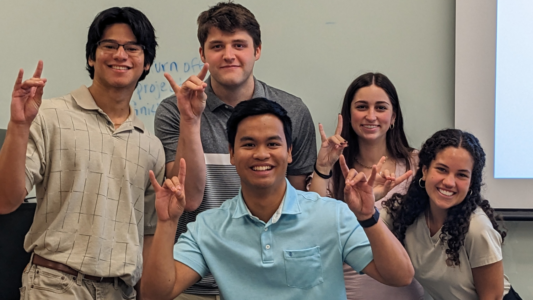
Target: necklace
x: 366, y: 167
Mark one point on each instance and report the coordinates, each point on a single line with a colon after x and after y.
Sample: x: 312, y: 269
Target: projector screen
x: 494, y: 93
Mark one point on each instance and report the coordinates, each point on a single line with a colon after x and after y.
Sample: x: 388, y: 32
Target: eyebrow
x: 233, y: 41
x: 378, y: 102
x: 443, y: 165
x: 115, y: 41
x: 249, y: 138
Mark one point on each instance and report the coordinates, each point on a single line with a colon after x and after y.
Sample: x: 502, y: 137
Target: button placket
x: 266, y: 245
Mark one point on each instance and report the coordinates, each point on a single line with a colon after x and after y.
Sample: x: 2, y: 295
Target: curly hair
x: 397, y: 144
x: 405, y: 209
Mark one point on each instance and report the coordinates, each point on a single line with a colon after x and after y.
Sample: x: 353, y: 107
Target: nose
x: 449, y: 180
x: 371, y: 115
x: 228, y: 54
x: 121, y: 53
x: 261, y: 153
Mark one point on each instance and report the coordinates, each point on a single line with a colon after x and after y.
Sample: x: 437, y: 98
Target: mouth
x: 370, y: 126
x: 262, y: 168
x: 446, y: 193
x: 121, y: 68
x: 229, y: 67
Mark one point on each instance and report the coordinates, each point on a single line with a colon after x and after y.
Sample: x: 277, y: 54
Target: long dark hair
x: 397, y: 144
x: 405, y: 209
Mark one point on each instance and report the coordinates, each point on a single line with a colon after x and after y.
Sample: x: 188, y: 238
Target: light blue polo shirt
x: 298, y: 257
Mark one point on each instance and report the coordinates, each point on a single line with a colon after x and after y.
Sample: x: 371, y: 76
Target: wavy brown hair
x: 397, y: 144
x: 405, y: 209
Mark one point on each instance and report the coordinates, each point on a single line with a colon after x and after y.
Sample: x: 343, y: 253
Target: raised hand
x: 386, y: 181
x: 27, y: 96
x: 191, y: 95
x: 358, y: 192
x: 331, y: 148
x: 170, y: 198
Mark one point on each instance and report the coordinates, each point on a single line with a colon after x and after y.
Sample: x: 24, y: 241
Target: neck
x: 371, y: 152
x: 233, y: 95
x: 435, y: 218
x: 263, y: 203
x: 114, y: 102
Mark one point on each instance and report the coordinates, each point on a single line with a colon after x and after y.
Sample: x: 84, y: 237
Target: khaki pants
x: 43, y: 283
x: 197, y: 297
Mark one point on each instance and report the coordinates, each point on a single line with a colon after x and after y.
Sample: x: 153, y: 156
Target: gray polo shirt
x: 95, y: 202
x: 222, y: 181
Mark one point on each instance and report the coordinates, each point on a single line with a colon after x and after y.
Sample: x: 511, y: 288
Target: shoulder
x: 312, y: 201
x: 168, y: 104
x: 287, y: 100
x: 479, y: 222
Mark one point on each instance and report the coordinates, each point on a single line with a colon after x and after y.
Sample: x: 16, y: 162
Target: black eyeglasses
x: 133, y: 49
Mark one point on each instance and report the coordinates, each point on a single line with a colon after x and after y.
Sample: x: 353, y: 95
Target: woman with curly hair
x: 448, y: 229
x: 371, y: 123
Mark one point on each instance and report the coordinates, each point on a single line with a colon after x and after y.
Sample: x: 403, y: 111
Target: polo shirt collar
x: 85, y: 100
x: 289, y: 202
x: 213, y: 102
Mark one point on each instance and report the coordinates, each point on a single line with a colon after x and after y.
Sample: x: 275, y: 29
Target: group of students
x: 221, y: 202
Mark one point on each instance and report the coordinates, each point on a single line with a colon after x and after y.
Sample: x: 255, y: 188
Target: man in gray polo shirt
x: 88, y: 156
x: 191, y: 125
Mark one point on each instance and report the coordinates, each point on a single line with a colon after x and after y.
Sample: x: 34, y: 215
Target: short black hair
x: 140, y: 26
x: 256, y: 107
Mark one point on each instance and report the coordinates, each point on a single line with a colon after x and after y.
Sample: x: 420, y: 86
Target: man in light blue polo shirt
x: 271, y: 241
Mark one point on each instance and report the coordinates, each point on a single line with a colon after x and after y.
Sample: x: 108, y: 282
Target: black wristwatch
x: 372, y: 221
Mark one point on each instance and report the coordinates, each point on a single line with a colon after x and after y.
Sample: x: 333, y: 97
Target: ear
x: 289, y: 158
x: 257, y: 52
x: 231, y: 155
x: 90, y: 62
x: 424, y: 172
x: 393, y: 121
x: 147, y: 67
x: 202, y: 55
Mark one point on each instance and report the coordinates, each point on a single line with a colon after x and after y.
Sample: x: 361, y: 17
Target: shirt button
x: 226, y: 106
x: 266, y: 228
x: 267, y: 247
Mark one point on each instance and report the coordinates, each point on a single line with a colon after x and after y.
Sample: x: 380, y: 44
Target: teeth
x: 119, y: 68
x: 262, y: 168
x: 370, y: 126
x: 447, y: 193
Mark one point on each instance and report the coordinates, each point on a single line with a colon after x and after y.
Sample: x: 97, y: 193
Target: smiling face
x: 371, y: 113
x: 260, y: 153
x: 231, y: 57
x: 447, y: 180
x: 117, y: 69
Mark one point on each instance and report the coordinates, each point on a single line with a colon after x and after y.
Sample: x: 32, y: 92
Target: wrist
x: 368, y: 220
x: 322, y: 173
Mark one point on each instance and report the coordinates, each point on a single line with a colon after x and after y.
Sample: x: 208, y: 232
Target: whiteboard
x: 475, y: 98
x: 311, y: 48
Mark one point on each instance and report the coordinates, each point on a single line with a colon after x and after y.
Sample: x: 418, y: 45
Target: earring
x: 420, y: 181
x: 392, y: 126
x: 469, y: 193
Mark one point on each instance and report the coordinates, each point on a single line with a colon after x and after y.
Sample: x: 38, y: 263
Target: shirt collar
x: 289, y: 205
x: 213, y: 102
x: 85, y: 100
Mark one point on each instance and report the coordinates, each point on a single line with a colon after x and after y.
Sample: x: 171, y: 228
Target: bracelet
x: 322, y: 175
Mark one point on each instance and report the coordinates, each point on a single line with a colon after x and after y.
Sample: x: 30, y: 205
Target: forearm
x: 159, y: 272
x: 190, y: 148
x: 319, y: 185
x: 13, y: 161
x: 391, y: 260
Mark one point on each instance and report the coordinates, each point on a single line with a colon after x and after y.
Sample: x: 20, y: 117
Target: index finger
x: 404, y: 177
x: 175, y: 87
x: 203, y: 72
x: 154, y: 182
x: 323, y: 135
x: 372, y: 176
x: 18, y: 81
x: 38, y: 70
x: 339, y: 125
x: 381, y: 162
x: 344, y: 166
x: 182, y: 172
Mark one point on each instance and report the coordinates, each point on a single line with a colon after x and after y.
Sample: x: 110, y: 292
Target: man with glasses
x: 88, y: 156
